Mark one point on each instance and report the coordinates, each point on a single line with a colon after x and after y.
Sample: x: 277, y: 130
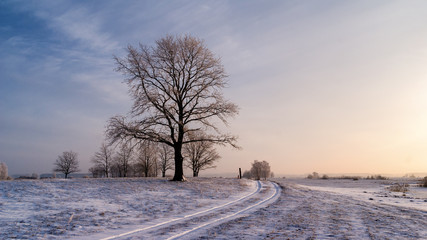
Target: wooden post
x: 240, y: 173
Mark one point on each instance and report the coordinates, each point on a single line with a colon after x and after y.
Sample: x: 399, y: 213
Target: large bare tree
x: 200, y: 156
x: 177, y: 87
x: 67, y: 163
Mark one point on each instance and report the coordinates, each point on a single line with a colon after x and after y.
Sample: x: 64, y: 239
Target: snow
x: 74, y: 208
x: 373, y: 190
x: 206, y: 208
x: 330, y: 209
x: 273, y: 196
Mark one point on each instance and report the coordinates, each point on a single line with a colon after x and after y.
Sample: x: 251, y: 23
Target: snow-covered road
x: 305, y: 213
x: 189, y: 226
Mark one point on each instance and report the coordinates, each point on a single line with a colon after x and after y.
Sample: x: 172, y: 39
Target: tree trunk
x: 195, y: 171
x: 179, y: 171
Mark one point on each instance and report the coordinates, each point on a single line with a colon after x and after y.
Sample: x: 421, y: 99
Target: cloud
x: 79, y: 24
x: 307, y: 75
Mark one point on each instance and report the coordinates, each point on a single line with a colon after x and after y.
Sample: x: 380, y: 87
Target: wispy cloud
x: 318, y: 75
x: 79, y: 24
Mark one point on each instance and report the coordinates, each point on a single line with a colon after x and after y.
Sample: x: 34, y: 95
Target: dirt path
x: 301, y: 213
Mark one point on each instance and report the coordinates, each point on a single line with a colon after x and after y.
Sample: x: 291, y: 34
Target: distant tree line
x: 141, y: 159
x: 148, y: 159
x: 316, y: 175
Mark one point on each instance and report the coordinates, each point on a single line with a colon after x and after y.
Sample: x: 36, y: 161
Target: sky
x: 326, y: 86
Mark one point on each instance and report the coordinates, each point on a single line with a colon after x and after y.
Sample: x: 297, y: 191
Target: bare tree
x: 67, y: 163
x: 103, y: 159
x: 260, y: 170
x: 147, y: 159
x: 123, y: 159
x: 176, y: 86
x: 165, y: 159
x: 315, y: 175
x: 3, y: 171
x: 200, y: 156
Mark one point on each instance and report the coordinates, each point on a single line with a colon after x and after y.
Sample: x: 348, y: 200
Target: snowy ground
x: 210, y: 208
x: 333, y: 209
x: 77, y: 208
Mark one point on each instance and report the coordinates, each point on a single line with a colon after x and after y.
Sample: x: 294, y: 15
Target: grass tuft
x: 397, y: 187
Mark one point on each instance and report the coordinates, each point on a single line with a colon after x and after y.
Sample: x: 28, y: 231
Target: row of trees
x: 142, y: 160
x: 148, y: 159
x: 145, y: 159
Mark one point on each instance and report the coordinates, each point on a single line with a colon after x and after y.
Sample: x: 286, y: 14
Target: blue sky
x: 328, y: 86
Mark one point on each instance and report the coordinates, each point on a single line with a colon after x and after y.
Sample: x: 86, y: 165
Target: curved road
x: 193, y: 225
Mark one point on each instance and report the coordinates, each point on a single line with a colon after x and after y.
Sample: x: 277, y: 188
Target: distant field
x: 83, y: 208
x: 335, y: 209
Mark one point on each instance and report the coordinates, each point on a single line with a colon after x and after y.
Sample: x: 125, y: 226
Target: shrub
x: 3, y: 171
x: 397, y: 187
x: 424, y: 182
x: 246, y: 174
x: 315, y: 175
x: 377, y: 177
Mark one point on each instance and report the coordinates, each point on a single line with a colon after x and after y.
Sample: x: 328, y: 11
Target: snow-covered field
x: 334, y: 209
x: 77, y: 208
x: 206, y: 208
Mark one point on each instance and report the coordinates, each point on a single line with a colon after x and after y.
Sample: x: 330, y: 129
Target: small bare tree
x: 103, y: 159
x: 147, y: 159
x: 67, y: 163
x: 97, y: 171
x: 3, y: 171
x: 124, y: 159
x: 165, y: 158
x: 200, y: 156
x: 176, y: 86
x: 260, y: 170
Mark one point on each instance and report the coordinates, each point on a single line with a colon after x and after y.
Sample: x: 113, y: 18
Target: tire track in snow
x: 302, y: 213
x: 174, y: 220
x: 275, y: 194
